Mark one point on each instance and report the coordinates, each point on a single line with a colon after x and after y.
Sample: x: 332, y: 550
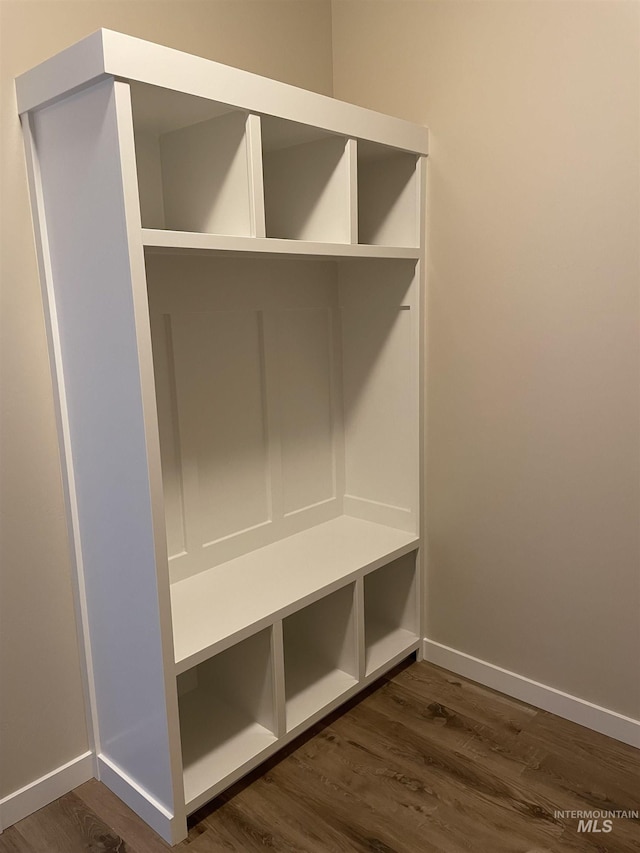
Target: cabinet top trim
x: 108, y: 53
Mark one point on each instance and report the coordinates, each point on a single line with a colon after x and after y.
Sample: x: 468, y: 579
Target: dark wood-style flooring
x: 425, y: 763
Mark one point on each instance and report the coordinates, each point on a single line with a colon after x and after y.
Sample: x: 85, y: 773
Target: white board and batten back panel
x: 219, y: 380
x: 173, y: 471
x: 380, y: 334
x: 79, y: 145
x: 247, y: 372
x: 280, y: 409
x: 308, y: 407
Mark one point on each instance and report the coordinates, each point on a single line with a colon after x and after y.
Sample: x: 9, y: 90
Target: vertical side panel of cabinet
x: 88, y: 218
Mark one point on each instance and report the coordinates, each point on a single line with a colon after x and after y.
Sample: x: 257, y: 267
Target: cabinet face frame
x: 80, y: 100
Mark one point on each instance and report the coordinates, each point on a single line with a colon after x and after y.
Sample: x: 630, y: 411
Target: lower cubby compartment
x: 319, y: 655
x: 390, y: 611
x: 227, y: 715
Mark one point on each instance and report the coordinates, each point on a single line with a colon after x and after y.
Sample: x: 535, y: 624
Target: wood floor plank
x: 122, y: 820
x: 447, y: 822
x: 584, y: 770
x: 402, y: 796
x: 429, y: 758
x: 342, y: 806
x: 461, y: 811
x: 609, y: 769
x: 362, y: 827
x: 493, y: 746
x: 292, y: 817
x: 589, y: 743
x: 485, y: 706
x: 252, y: 825
x: 12, y: 842
x: 396, y: 798
x: 531, y: 802
x: 68, y: 825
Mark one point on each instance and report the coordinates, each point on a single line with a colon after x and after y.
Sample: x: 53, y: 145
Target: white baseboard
x: 45, y: 790
x: 148, y: 808
x: 564, y: 705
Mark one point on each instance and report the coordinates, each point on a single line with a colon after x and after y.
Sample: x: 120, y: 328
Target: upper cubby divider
x: 307, y: 182
x: 388, y: 194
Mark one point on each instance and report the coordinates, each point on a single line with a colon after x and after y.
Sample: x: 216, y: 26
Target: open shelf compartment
x: 194, y: 163
x: 287, y: 400
x: 227, y: 715
x: 388, y: 193
x: 390, y: 611
x: 306, y: 182
x: 319, y: 655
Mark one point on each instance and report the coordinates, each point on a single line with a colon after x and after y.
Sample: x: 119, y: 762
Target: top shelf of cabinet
x: 106, y: 53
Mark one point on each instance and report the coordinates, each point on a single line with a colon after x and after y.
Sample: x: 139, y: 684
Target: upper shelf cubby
x: 211, y: 168
x: 306, y: 182
x: 193, y: 156
x: 388, y: 194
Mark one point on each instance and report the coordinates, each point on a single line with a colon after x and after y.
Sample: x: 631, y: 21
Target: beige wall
x: 42, y: 722
x: 533, y: 428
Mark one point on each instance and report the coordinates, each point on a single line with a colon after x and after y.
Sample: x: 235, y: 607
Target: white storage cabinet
x: 232, y: 269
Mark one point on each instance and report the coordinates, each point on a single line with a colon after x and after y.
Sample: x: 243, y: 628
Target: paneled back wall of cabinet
x: 232, y: 270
